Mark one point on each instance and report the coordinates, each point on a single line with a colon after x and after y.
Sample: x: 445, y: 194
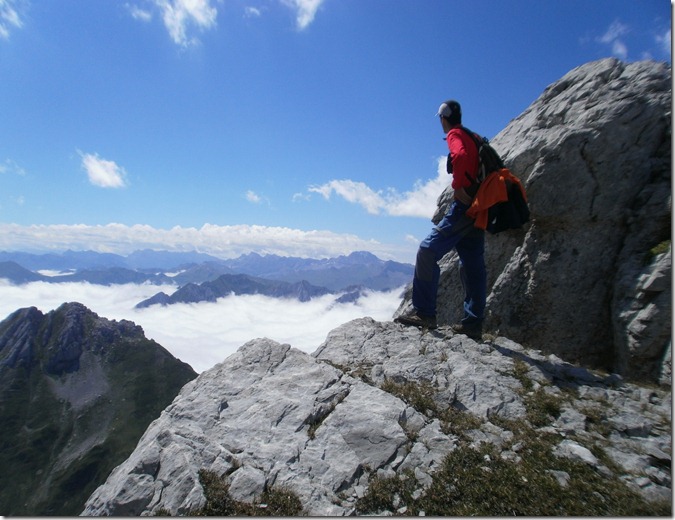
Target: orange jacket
x: 491, y: 191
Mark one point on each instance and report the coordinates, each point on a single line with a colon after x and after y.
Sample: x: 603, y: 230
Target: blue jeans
x: 455, y: 231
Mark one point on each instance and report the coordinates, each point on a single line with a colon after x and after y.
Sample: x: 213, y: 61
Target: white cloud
x: 9, y: 18
x: 619, y: 49
x: 252, y: 12
x: 220, y: 241
x: 615, y: 31
x: 103, y: 173
x: 305, y: 11
x: 204, y: 334
x: 613, y: 37
x: 178, y: 15
x: 419, y: 202
x: 665, y: 42
x: 300, y: 197
x: 138, y: 13
x: 10, y: 166
x: 253, y: 197
x: 355, y: 192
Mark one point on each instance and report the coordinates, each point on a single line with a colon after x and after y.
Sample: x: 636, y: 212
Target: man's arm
x: 461, y: 162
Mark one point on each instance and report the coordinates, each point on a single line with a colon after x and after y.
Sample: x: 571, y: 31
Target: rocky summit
x: 591, y: 271
x: 328, y: 425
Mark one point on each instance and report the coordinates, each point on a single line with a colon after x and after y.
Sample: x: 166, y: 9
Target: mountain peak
x: 363, y: 257
x: 77, y: 392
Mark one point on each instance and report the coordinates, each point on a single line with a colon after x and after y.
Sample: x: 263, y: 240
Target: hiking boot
x: 474, y: 331
x: 418, y: 320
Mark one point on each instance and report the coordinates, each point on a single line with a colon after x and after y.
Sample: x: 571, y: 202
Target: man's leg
x: 425, y: 281
x: 471, y: 250
x: 440, y: 241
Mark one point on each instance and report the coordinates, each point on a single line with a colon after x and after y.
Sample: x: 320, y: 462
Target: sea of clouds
x: 204, y: 334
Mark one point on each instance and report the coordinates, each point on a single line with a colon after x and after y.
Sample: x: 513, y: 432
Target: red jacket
x: 464, y: 157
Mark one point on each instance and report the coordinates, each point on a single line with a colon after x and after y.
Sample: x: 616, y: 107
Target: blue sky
x: 295, y: 127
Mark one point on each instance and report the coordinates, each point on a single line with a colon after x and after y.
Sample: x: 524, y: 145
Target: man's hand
x: 462, y: 196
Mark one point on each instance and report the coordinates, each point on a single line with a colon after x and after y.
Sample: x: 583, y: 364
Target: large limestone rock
x: 268, y: 415
x: 324, y: 425
x: 594, y: 152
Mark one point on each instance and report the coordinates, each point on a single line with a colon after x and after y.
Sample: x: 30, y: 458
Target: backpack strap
x: 477, y: 141
x: 488, y: 158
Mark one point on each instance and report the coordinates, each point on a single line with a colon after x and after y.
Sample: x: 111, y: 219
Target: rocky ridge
x: 326, y: 425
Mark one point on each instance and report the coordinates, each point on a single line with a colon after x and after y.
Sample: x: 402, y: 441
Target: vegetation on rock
x: 273, y: 502
x: 478, y: 479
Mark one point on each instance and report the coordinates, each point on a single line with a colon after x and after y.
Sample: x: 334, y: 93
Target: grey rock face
x: 594, y: 153
x: 324, y: 425
x: 251, y: 416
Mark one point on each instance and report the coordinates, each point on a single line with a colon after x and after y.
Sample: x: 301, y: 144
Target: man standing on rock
x: 454, y: 231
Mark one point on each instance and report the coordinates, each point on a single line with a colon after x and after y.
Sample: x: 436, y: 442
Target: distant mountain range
x: 201, y: 277
x: 358, y: 268
x: 361, y: 269
x: 236, y: 284
x: 78, y: 260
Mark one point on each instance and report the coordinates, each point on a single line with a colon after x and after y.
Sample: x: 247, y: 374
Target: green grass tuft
x: 273, y: 502
x: 658, y: 249
x: 421, y: 397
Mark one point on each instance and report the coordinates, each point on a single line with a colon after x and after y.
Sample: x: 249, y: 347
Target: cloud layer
x: 181, y: 18
x: 11, y: 167
x: 220, y: 241
x: 204, y: 334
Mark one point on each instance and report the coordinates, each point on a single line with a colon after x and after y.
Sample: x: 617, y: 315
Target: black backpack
x: 512, y: 213
x: 488, y: 158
